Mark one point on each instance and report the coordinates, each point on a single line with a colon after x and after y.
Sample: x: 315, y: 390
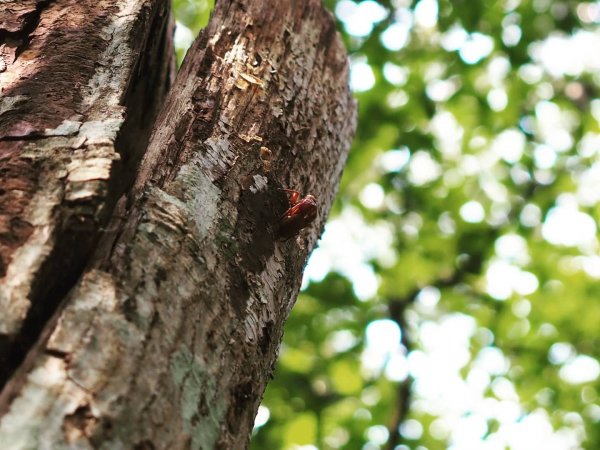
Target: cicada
x: 299, y: 215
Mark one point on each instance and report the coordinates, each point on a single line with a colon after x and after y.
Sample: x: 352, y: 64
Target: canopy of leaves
x: 454, y: 299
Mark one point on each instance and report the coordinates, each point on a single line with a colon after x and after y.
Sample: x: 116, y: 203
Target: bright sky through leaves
x: 470, y: 203
x: 563, y: 225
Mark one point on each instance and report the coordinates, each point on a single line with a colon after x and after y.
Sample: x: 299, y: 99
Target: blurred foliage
x: 191, y: 16
x: 470, y: 201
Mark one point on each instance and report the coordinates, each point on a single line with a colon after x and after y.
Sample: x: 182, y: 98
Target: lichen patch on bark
x: 202, y: 405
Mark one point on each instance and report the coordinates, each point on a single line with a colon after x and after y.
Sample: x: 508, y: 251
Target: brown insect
x: 300, y: 214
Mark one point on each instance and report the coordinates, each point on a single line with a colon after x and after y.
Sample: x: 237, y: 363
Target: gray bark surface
x: 168, y: 339
x: 81, y: 83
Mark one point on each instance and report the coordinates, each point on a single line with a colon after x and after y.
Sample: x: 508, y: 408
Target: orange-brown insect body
x: 300, y: 214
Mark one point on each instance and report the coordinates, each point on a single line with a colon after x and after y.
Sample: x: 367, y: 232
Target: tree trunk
x: 168, y: 338
x: 81, y: 85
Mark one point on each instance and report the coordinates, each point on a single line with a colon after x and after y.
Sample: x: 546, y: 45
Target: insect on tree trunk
x: 145, y: 311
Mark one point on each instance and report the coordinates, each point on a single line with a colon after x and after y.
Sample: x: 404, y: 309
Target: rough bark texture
x: 170, y: 336
x: 81, y: 83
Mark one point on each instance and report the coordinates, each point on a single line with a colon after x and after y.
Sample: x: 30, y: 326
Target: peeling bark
x: 76, y: 112
x: 169, y: 338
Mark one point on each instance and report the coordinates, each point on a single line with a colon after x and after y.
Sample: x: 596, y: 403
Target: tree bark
x: 169, y: 337
x: 81, y: 85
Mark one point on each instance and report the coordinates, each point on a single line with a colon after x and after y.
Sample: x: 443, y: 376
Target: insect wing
x: 297, y: 217
x: 293, y: 196
x: 290, y: 226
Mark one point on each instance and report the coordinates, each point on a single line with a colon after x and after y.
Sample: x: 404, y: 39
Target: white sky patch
x: 560, y: 353
x: 472, y: 212
x: 371, y: 11
x: 544, y: 156
x: 544, y: 90
x: 442, y: 90
x: 345, y: 10
x: 535, y: 431
x: 453, y: 177
x: 444, y: 342
x: 531, y: 73
x: 397, y: 99
x: 588, y: 12
x: 521, y: 308
x: 499, y: 214
x: 359, y: 18
x: 588, y: 186
x: 511, y: 35
x: 446, y: 224
x: 566, y: 225
x: 461, y: 405
x: 427, y: 299
x: 436, y: 368
x: 512, y: 248
x: 517, y: 431
x: 504, y: 279
x: 396, y: 36
x: 589, y: 145
x: 412, y: 224
x: 589, y: 264
x: 364, y: 281
x: 342, y: 341
x: 509, y: 145
x: 362, y: 77
x: 434, y: 70
x: 531, y: 215
x: 519, y: 174
x: 581, y: 369
x: 183, y: 37
x: 468, y: 431
x: 544, y: 176
x: 397, y: 75
x: 372, y: 196
x: 454, y: 38
x: 470, y: 165
x: 476, y: 47
x: 378, y: 434
x: 553, y: 125
x: 478, y: 379
x: 411, y: 429
x: 595, y: 108
x: 497, y: 99
x: 497, y: 70
x: 358, y: 27
x: 384, y: 335
x: 570, y: 55
x: 426, y: 13
x: 262, y: 416
x: 384, y: 352
x: 504, y: 389
x: 423, y: 169
x: 393, y: 160
x: 448, y: 133
x: 526, y: 124
x: 492, y: 360
x: 347, y: 245
x: 494, y: 190
x: 396, y: 368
